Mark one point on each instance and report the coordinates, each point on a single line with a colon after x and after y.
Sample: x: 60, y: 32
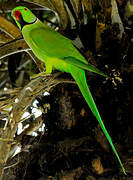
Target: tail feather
x: 82, y: 84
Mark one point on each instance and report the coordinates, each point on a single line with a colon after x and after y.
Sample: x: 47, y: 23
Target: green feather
x: 54, y: 44
x: 81, y: 81
x: 59, y: 52
x: 82, y: 65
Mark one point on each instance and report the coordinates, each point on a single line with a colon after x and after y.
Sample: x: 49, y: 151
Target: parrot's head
x: 23, y: 16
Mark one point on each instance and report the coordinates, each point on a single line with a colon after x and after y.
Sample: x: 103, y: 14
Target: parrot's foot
x: 39, y: 75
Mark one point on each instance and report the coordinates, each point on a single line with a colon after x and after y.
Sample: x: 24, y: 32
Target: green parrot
x: 59, y: 52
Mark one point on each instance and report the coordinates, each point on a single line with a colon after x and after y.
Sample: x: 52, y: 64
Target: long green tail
x: 82, y: 84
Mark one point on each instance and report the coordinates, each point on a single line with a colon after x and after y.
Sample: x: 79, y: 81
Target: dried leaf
x: 100, y: 28
x: 77, y: 6
x: 116, y: 17
x: 60, y: 9
x: 4, y: 38
x: 13, y: 47
x: 87, y: 5
x: 43, y: 3
x: 128, y: 10
x: 82, y: 113
x: 100, y: 137
x: 24, y: 98
x: 9, y: 28
x: 97, y: 165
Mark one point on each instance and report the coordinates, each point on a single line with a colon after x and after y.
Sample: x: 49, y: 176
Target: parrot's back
x: 46, y: 43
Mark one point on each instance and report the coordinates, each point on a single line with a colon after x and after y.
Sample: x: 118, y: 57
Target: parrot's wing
x: 54, y: 44
x: 82, y: 65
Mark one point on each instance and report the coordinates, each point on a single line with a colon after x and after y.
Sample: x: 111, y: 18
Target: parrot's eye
x: 17, y: 14
x: 25, y: 9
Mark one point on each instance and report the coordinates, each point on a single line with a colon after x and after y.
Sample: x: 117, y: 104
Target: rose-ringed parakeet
x: 59, y: 52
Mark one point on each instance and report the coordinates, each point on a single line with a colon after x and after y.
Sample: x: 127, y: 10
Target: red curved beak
x: 17, y: 14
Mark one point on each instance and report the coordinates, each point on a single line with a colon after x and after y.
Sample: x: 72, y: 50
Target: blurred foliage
x: 4, y: 1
